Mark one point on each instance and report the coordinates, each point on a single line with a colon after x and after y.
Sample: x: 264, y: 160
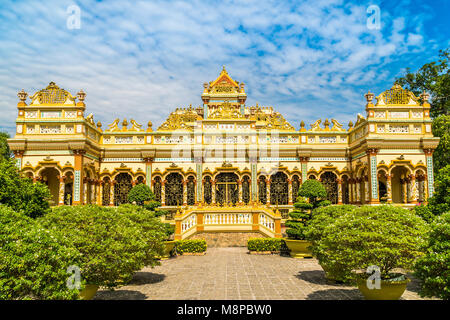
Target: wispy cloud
x: 142, y: 59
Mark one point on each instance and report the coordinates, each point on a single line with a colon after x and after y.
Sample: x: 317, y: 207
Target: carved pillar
x: 93, y: 183
x: 404, y: 190
x: 290, y: 191
x: 430, y: 174
x: 389, y: 188
x: 148, y: 171
x: 100, y: 192
x: 373, y: 195
x: 85, y: 190
x: 184, y: 192
x: 254, y: 179
x: 213, y: 192
x: 358, y: 190
x: 413, y: 194
x: 366, y: 189
x: 304, y: 168
x: 61, y: 190
x: 163, y: 193
x: 240, y: 190
x: 78, y: 193
x: 111, y: 192
x: 18, y: 155
x: 339, y: 182
x: 268, y: 191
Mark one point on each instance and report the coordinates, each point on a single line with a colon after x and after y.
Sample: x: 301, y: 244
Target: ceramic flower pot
x: 299, y: 248
x: 88, y: 292
x: 389, y: 289
x: 168, y: 247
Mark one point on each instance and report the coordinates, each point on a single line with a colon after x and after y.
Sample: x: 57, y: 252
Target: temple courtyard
x: 233, y: 274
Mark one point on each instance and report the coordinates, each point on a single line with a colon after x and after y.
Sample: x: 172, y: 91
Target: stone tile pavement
x: 233, y: 274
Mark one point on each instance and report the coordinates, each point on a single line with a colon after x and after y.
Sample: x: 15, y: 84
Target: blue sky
x: 143, y: 59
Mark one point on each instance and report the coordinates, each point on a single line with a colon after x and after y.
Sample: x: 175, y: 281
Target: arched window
x: 295, y: 187
x: 121, y: 188
x: 174, y: 189
x: 50, y: 178
x: 330, y: 184
x: 312, y: 177
x: 246, y: 189
x: 157, y: 188
x: 262, y: 189
x: 207, y: 190
x: 279, y: 192
x: 140, y: 180
x: 106, y: 196
x: 190, y: 186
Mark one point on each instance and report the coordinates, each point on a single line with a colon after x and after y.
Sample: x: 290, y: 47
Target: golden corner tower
x: 224, y: 159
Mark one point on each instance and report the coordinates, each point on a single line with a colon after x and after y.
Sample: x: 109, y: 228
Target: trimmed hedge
x: 264, y: 244
x: 190, y: 245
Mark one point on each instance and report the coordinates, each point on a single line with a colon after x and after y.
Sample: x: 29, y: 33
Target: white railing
x: 228, y: 218
x: 266, y: 221
x: 189, y: 222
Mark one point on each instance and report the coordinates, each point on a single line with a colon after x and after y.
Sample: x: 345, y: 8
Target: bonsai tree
x: 311, y: 193
x: 434, y: 268
x: 385, y: 236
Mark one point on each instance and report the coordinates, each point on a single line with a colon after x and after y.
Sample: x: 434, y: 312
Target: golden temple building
x: 225, y: 154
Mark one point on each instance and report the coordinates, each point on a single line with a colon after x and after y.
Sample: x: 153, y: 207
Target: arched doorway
x: 51, y: 180
x: 399, y: 182
x: 382, y: 186
x: 279, y: 192
x: 121, y: 188
x: 227, y: 190
x: 329, y: 180
x: 174, y: 189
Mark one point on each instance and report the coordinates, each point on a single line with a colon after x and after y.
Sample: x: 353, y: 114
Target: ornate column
x: 100, y: 192
x: 366, y: 189
x: 290, y: 191
x: 404, y: 190
x: 413, y: 194
x: 163, y: 193
x: 389, y: 188
x: 240, y: 191
x: 213, y: 192
x: 268, y: 191
x: 199, y: 181
x: 111, y: 192
x: 254, y: 179
x: 430, y: 174
x: 358, y: 190
x: 85, y: 190
x: 78, y: 191
x: 61, y: 190
x: 93, y: 183
x: 373, y: 195
x: 184, y: 192
x: 18, y: 155
x: 339, y: 182
x: 148, y: 171
x: 304, y: 168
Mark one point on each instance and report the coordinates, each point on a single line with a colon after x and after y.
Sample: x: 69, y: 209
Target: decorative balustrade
x: 228, y: 218
x: 266, y: 221
x: 189, y: 222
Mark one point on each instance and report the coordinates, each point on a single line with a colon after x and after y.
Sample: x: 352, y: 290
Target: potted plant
x: 310, y: 197
x: 317, y: 231
x: 367, y: 244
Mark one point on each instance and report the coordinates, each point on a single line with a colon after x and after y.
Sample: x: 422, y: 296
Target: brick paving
x: 233, y: 274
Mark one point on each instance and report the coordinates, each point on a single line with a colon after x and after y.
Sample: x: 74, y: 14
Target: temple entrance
x: 227, y: 191
x: 51, y: 180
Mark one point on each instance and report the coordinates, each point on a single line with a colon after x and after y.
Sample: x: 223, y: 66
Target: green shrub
x: 424, y: 212
x: 310, y: 197
x: 140, y: 193
x: 264, y: 244
x: 434, y: 268
x: 113, y: 245
x: 439, y: 203
x: 190, y: 245
x: 386, y: 236
x: 33, y: 260
x: 20, y: 193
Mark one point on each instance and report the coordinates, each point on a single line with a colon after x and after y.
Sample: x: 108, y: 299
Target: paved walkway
x: 232, y: 274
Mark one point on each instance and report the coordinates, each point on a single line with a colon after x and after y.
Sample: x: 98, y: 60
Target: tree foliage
x: 20, y: 193
x: 434, y: 268
x: 33, y: 260
x: 5, y: 152
x: 140, y: 193
x: 440, y: 201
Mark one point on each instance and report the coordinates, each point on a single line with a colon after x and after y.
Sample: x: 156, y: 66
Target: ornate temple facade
x: 226, y: 153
